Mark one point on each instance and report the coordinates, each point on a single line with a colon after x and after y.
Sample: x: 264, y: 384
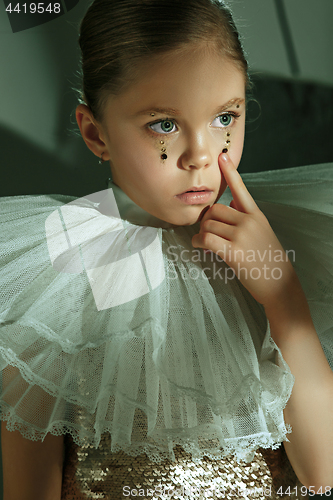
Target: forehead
x: 182, y: 79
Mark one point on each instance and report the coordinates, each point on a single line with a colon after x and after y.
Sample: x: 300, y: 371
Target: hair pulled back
x: 116, y: 36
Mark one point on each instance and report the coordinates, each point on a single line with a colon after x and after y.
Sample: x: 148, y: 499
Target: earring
x: 163, y: 151
x: 101, y: 159
x: 227, y: 143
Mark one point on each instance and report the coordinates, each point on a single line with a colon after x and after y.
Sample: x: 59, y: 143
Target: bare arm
x: 309, y: 410
x: 32, y: 470
x: 232, y: 231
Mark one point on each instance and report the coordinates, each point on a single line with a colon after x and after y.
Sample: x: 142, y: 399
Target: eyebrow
x: 176, y: 112
x: 229, y: 104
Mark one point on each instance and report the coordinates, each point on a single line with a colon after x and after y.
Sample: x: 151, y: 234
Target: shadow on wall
x: 28, y: 169
x: 292, y: 128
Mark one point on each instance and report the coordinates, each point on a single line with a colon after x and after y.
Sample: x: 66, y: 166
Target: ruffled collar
x: 130, y: 211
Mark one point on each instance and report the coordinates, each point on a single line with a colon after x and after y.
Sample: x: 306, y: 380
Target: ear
x: 91, y: 131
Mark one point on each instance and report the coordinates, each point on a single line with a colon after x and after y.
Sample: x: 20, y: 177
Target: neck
x: 130, y: 211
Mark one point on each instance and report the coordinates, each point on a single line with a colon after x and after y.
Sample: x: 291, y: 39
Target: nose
x: 197, y: 153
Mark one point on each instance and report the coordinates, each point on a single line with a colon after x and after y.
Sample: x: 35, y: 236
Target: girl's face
x: 190, y: 101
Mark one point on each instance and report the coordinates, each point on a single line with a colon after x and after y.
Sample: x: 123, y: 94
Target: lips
x: 195, y: 189
x: 199, y: 196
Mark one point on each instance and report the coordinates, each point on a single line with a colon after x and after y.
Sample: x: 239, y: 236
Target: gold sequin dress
x: 91, y: 473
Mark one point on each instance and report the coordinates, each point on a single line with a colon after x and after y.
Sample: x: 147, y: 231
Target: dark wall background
x: 290, y: 119
x: 290, y: 125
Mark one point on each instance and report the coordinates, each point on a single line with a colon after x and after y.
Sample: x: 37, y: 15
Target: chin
x: 185, y: 221
x: 188, y: 219
x: 193, y: 220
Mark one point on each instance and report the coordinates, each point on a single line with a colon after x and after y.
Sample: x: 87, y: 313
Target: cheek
x: 127, y: 147
x: 237, y: 145
x: 236, y: 153
x: 142, y: 166
x: 131, y: 155
x: 148, y: 152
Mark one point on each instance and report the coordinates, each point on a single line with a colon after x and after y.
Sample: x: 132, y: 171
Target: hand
x: 241, y: 235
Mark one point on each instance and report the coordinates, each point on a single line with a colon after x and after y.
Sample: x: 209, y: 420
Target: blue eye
x: 163, y: 127
x: 225, y: 120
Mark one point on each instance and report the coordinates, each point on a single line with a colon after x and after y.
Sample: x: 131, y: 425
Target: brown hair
x: 116, y: 36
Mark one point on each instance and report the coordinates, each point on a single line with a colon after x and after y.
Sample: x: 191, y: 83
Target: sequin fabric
x: 91, y: 473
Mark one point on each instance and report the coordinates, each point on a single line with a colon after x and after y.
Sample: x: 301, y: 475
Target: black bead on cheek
x: 164, y: 156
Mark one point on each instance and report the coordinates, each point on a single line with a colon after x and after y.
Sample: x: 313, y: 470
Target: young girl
x: 166, y: 319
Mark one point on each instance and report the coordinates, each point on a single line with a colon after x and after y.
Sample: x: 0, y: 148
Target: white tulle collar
x: 130, y: 211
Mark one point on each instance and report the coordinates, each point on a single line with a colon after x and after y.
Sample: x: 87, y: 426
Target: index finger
x: 243, y: 201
